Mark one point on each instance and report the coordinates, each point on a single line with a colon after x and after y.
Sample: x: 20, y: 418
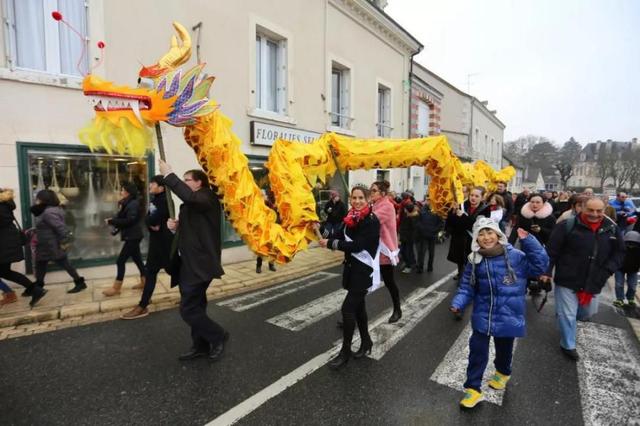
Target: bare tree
x: 567, y: 158
x: 605, y: 162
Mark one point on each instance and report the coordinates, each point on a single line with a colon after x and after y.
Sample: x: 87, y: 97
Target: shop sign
x: 266, y: 134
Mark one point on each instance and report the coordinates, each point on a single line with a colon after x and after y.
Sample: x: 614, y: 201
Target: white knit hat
x: 480, y: 224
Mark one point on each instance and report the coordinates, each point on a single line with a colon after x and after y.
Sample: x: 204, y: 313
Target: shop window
x: 88, y: 185
x: 271, y: 73
x: 37, y: 42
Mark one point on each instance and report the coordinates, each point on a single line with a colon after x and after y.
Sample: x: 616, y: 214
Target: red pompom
x: 101, y: 44
x: 56, y: 15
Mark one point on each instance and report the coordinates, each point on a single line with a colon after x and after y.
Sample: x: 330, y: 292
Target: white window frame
x: 342, y: 119
x: 384, y: 102
x: 263, y: 63
x: 51, y: 35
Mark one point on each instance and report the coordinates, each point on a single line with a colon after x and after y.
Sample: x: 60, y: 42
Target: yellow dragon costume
x: 125, y: 117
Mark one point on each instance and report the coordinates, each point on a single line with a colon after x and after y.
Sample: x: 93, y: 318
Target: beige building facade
x: 282, y: 67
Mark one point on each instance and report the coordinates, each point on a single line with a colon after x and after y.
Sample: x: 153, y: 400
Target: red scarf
x: 354, y: 216
x: 472, y: 209
x: 593, y: 225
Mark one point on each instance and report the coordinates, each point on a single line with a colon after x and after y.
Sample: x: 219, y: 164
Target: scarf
x: 354, y: 216
x: 594, y: 226
x: 494, y: 251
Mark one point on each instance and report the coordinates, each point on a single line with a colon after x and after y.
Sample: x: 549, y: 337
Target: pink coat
x: 386, y: 213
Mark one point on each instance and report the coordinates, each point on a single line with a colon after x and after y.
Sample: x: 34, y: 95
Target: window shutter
x: 281, y: 92
x: 346, y: 98
x: 10, y: 32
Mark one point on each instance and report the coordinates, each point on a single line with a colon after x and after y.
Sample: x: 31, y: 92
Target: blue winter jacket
x: 498, y: 306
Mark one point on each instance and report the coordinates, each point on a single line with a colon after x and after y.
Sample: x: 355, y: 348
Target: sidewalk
x: 59, y: 310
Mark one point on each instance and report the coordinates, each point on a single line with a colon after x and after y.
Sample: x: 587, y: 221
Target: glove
x: 584, y: 297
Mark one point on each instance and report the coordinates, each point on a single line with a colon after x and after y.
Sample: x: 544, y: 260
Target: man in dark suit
x: 198, y: 258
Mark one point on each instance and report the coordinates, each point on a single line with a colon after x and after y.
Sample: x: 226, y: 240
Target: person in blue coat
x: 495, y: 280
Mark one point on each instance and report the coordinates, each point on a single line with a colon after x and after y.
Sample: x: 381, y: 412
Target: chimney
x: 634, y: 140
x: 381, y: 4
x: 485, y: 103
x: 494, y: 111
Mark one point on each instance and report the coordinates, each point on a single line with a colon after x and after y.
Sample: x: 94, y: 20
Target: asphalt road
x: 126, y: 372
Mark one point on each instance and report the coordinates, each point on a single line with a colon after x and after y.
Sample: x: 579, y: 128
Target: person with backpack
x: 629, y: 271
x: 52, y: 238
x: 495, y: 280
x: 428, y: 226
x: 584, y: 251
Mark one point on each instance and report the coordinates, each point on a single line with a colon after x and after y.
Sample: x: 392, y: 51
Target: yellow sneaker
x: 499, y: 381
x: 471, y: 398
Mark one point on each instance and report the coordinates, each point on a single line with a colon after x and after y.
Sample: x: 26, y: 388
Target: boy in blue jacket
x: 495, y: 280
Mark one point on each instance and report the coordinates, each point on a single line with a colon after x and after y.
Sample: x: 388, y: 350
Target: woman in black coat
x: 11, y: 247
x: 128, y: 224
x: 360, y: 248
x: 52, y: 238
x: 460, y: 224
x: 535, y: 217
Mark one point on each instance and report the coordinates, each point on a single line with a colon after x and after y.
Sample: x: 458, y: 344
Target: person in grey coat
x: 52, y: 238
x: 197, y: 260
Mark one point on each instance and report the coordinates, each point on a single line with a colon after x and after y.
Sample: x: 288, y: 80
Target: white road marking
x: 609, y: 375
x: 309, y: 313
x: 255, y: 401
x: 257, y: 298
x: 386, y: 335
x: 452, y: 370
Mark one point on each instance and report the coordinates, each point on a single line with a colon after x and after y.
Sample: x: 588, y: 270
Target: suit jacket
x: 198, y: 258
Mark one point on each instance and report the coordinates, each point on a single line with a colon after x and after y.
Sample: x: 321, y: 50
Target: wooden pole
x: 163, y: 157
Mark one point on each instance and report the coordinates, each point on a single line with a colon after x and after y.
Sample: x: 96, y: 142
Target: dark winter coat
x: 198, y: 258
x: 428, y: 224
x: 560, y: 207
x: 160, y: 241
x: 10, y: 240
x: 128, y: 220
x: 51, y: 232
x: 544, y: 218
x: 631, y: 262
x: 498, y: 305
x: 521, y: 200
x: 570, y: 251
x: 356, y: 276
x: 408, y: 225
x: 460, y: 227
x: 336, y: 211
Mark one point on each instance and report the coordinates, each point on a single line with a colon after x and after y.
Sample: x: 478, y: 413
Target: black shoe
x: 79, y: 286
x: 272, y: 267
x: 38, y: 293
x: 217, y: 351
x: 258, y: 269
x: 455, y: 278
x: 365, y: 349
x: 193, y: 354
x: 572, y: 354
x: 395, y: 316
x: 339, y: 361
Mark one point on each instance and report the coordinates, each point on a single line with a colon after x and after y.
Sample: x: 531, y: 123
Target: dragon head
x: 125, y: 115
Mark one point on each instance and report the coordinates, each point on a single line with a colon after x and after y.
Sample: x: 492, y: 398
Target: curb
x: 40, y: 320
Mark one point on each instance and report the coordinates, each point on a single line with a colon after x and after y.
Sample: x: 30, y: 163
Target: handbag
x: 24, y: 240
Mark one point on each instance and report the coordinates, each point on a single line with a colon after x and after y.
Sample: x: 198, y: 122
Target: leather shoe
x: 365, y: 349
x: 193, y: 354
x: 572, y: 354
x: 339, y: 361
x: 395, y: 317
x: 217, y: 351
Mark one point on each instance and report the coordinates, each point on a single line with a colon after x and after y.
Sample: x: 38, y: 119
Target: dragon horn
x: 177, y: 55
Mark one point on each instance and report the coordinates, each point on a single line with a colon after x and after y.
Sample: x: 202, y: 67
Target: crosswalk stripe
x: 609, y: 375
x: 452, y: 370
x: 252, y: 403
x: 309, y: 313
x: 257, y: 298
x: 385, y: 335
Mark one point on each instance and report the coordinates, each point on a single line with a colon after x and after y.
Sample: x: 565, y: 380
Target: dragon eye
x: 145, y: 83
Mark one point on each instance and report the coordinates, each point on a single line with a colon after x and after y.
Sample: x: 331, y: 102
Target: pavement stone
x: 59, y: 310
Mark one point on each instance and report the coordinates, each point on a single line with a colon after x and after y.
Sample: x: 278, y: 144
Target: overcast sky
x: 555, y: 68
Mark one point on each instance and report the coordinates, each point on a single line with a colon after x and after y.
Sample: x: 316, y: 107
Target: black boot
x: 363, y: 328
x: 272, y: 266
x: 79, y: 285
x: 37, y: 293
x: 348, y: 327
x: 259, y: 265
x: 365, y: 349
x: 216, y: 352
x: 396, y: 315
